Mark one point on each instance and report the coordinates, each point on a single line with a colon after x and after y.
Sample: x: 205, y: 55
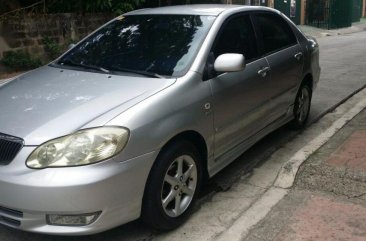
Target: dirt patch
x: 9, y: 75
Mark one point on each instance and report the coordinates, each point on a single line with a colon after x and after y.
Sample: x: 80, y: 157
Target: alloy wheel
x: 179, y: 186
x: 303, y: 105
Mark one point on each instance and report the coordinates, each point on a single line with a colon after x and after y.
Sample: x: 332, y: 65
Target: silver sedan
x: 132, y: 120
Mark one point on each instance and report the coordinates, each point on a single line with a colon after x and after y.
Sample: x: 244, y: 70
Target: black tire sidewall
x: 152, y: 211
x: 296, y: 124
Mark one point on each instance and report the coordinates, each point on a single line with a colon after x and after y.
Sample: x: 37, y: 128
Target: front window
x: 238, y: 37
x: 156, y: 45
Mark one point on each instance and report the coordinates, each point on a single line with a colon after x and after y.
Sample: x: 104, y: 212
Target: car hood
x: 50, y: 102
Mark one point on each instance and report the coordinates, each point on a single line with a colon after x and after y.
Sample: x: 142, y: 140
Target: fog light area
x: 72, y: 220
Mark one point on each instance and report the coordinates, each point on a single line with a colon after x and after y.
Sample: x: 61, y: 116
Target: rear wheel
x: 172, y: 186
x: 301, y: 107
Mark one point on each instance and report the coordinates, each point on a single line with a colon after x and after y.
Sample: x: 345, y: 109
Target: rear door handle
x: 263, y: 71
x: 298, y: 56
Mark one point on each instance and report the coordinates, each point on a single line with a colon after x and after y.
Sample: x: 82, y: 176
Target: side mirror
x: 230, y: 63
x: 71, y: 46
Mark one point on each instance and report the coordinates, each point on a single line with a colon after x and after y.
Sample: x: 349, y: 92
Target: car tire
x: 301, y: 107
x: 172, y: 186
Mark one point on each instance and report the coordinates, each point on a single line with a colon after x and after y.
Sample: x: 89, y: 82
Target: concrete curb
x: 3, y: 81
x: 254, y: 215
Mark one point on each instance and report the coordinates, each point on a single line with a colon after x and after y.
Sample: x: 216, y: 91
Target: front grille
x: 9, y: 221
x: 9, y: 148
x: 11, y: 212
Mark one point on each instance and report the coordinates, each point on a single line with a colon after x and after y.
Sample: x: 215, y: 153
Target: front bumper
x: 112, y: 187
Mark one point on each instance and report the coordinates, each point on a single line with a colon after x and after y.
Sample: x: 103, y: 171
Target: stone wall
x: 27, y: 32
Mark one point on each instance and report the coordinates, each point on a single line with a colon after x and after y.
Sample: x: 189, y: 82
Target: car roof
x: 195, y: 9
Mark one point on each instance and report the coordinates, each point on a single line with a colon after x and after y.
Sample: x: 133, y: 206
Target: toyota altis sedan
x: 132, y: 120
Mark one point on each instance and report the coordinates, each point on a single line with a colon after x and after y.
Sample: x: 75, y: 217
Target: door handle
x: 298, y: 56
x: 263, y: 71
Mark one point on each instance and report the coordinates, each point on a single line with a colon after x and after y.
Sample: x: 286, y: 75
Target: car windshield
x: 150, y: 45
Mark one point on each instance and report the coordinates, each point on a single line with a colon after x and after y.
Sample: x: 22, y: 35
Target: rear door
x: 285, y: 57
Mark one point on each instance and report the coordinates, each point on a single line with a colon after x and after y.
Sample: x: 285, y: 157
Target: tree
x: 62, y: 6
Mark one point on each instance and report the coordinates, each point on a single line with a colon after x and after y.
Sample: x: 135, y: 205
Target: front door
x: 240, y: 99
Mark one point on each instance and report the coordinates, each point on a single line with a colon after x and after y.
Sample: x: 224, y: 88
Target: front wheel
x: 172, y: 186
x: 301, y: 107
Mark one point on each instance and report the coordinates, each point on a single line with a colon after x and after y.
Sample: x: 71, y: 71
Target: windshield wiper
x: 69, y: 62
x: 140, y: 72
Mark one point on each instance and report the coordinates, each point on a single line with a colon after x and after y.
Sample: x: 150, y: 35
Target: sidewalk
x: 328, y: 200
x: 318, y: 32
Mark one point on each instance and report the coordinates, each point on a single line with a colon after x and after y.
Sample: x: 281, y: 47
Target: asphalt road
x: 343, y: 62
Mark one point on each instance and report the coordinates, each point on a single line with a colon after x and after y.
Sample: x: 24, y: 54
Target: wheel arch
x: 197, y: 140
x: 308, y: 79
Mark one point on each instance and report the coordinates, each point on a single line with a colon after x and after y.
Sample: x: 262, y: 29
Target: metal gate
x: 251, y: 2
x: 329, y: 14
x: 357, y: 10
x: 291, y: 8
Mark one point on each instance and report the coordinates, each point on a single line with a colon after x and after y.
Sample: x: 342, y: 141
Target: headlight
x: 81, y: 148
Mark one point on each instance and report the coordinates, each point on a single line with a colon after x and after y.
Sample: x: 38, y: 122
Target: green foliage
x: 67, y: 6
x: 120, y: 7
x: 98, y: 5
x: 52, y: 48
x: 92, y: 6
x: 20, y: 60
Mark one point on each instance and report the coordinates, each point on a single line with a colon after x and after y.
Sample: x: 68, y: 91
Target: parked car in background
x: 131, y: 121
